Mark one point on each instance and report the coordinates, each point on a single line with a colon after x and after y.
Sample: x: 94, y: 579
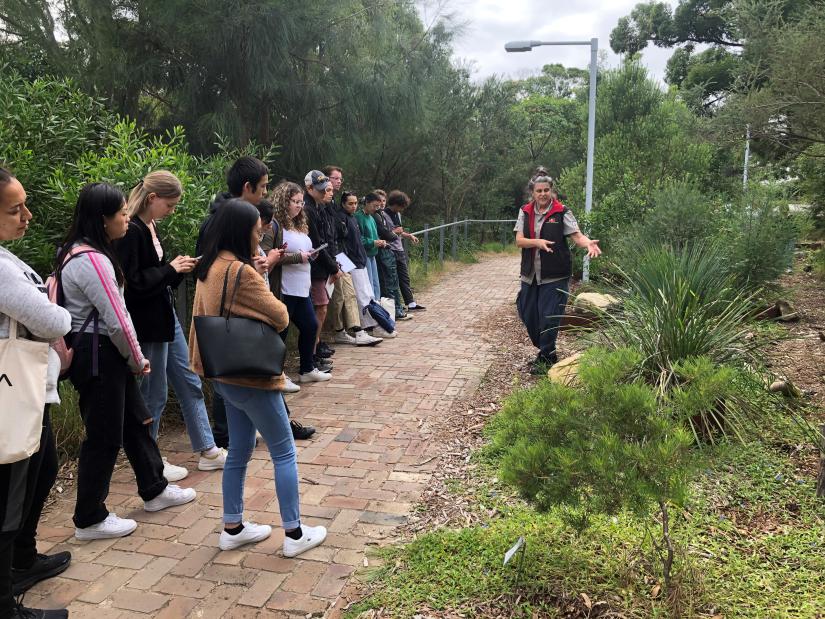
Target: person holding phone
x: 106, y: 360
x: 296, y: 278
x: 150, y: 279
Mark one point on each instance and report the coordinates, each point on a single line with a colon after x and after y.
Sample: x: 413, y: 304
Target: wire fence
x: 458, y: 237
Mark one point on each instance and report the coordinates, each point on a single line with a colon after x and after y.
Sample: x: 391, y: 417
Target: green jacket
x: 369, y: 232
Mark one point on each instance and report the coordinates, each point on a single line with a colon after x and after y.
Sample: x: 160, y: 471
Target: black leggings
x: 41, y: 476
x: 114, y: 415
x: 24, y: 488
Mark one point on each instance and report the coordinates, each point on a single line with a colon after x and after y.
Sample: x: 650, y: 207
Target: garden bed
x: 752, y: 532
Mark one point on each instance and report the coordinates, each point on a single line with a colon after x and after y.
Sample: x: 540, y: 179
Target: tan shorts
x: 318, y: 292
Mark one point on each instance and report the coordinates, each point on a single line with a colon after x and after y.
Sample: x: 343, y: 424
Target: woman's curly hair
x: 280, y: 197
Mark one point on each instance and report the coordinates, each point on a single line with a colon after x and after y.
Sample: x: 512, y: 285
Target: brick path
x: 360, y: 477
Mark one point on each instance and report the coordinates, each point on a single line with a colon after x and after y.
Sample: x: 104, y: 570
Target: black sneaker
x: 21, y: 612
x: 324, y: 350
x: 415, y: 307
x: 45, y: 566
x: 325, y: 365
x: 300, y: 432
x: 540, y: 365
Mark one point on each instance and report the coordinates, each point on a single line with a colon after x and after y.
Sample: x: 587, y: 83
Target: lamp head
x: 521, y: 46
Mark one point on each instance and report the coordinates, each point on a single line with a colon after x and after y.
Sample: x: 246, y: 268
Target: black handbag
x: 235, y: 347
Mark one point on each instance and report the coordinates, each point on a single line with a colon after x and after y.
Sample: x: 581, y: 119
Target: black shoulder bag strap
x: 228, y: 308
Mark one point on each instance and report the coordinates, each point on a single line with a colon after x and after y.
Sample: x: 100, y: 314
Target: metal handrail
x: 469, y: 221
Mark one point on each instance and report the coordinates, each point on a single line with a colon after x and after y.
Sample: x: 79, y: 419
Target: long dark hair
x: 230, y: 229
x: 96, y: 201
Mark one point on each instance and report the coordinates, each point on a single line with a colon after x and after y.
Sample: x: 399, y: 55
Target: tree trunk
x: 820, y: 479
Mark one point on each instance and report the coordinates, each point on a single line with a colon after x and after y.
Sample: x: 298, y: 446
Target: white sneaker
x: 251, y: 533
x: 172, y: 495
x: 386, y: 335
x: 109, y: 528
x: 172, y: 472
x: 312, y: 536
x: 342, y: 337
x: 289, y: 386
x: 213, y: 463
x: 315, y: 376
x: 362, y: 338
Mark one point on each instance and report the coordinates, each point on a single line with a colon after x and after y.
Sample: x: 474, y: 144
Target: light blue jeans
x: 248, y: 409
x: 169, y: 361
x: 372, y: 272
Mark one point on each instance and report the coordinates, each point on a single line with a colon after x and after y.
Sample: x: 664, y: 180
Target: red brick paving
x: 360, y: 477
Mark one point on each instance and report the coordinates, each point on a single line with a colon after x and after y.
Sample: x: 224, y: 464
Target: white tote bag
x: 23, y: 368
x: 389, y: 305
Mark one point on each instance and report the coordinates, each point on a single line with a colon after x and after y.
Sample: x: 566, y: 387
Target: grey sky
x: 489, y: 24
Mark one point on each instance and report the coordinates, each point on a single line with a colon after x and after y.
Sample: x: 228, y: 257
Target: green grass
x: 751, y: 537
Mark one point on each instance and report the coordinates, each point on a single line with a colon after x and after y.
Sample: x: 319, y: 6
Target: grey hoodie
x: 23, y: 299
x: 89, y: 283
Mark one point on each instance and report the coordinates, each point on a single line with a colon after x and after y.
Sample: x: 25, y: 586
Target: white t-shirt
x: 295, y: 278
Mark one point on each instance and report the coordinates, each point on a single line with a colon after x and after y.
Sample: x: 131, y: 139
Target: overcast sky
x: 489, y: 24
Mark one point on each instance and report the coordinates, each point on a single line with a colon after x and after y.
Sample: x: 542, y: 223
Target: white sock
x: 212, y: 452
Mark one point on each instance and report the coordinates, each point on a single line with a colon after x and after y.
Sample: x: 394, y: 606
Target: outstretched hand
x: 593, y: 249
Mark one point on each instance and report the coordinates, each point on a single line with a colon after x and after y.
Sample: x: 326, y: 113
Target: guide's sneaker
x: 172, y: 495
x: 312, y: 536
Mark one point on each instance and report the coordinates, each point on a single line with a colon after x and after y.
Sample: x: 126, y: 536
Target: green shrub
x: 56, y: 139
x: 680, y: 304
x: 607, y: 445
x: 758, y: 236
x: 680, y: 215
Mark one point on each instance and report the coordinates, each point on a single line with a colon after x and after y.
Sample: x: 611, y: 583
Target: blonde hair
x: 280, y: 197
x: 161, y: 183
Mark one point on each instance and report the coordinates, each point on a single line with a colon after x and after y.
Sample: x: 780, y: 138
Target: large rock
x: 595, y: 300
x: 566, y: 371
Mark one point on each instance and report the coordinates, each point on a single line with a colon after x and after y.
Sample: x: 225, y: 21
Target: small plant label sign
x: 513, y: 550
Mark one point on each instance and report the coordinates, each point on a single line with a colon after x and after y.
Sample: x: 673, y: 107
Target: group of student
x: 301, y: 255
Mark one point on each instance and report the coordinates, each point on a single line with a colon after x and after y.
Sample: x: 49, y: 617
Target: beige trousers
x: 343, y: 306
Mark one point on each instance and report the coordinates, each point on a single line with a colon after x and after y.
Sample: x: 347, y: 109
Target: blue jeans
x: 372, y: 272
x: 248, y: 409
x: 540, y: 309
x: 302, y: 315
x: 170, y: 361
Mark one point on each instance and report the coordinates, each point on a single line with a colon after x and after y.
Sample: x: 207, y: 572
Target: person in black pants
x: 28, y: 566
x: 25, y: 484
x: 397, y: 202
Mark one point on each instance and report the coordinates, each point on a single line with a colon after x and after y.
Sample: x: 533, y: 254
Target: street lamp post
x: 526, y: 46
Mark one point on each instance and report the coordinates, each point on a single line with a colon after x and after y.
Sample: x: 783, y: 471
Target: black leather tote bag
x: 235, y: 347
